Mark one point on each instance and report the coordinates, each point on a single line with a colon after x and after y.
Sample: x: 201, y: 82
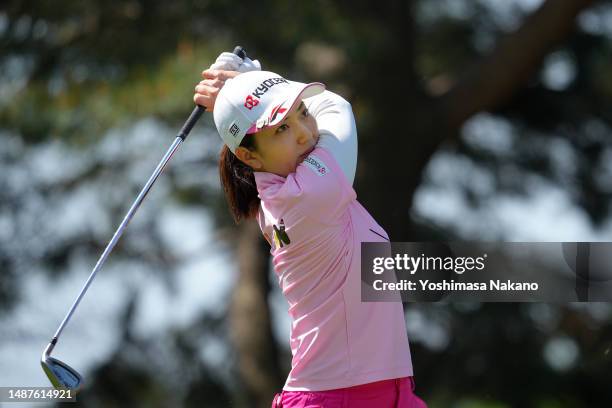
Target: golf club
x: 61, y: 375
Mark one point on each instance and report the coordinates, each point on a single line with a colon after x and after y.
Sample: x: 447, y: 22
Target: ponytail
x: 238, y: 183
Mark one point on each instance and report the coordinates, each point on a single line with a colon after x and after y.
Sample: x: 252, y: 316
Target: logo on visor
x: 275, y: 111
x: 250, y: 102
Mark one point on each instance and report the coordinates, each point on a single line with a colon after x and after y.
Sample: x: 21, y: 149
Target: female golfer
x: 288, y: 161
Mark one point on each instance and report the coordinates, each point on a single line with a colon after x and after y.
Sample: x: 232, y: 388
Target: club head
x: 61, y: 375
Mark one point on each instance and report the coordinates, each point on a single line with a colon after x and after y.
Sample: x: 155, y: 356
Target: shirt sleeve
x: 337, y: 129
x: 318, y: 189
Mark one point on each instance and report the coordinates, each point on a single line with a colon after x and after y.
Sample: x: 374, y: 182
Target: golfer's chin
x: 291, y: 168
x: 303, y: 156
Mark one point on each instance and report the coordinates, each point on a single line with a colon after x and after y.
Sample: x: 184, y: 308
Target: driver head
x: 60, y: 374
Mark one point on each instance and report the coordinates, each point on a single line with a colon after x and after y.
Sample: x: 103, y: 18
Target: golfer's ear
x: 249, y: 157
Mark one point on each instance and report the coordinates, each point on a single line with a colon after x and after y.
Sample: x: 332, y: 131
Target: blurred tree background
x: 458, y: 102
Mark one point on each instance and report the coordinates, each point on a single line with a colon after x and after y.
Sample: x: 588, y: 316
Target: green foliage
x: 82, y: 111
x: 89, y: 66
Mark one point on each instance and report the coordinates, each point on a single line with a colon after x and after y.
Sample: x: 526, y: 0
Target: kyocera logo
x: 316, y: 165
x: 250, y: 102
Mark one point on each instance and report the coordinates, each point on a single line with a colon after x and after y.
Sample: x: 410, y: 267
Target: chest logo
x: 280, y: 236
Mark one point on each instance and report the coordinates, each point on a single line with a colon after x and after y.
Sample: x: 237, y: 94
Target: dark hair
x: 238, y: 182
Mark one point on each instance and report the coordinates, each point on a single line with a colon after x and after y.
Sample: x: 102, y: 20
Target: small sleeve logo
x: 316, y: 165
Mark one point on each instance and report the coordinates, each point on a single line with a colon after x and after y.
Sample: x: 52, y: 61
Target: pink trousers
x: 396, y: 393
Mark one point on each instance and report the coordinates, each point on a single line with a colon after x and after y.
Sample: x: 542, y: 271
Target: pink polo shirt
x: 316, y: 226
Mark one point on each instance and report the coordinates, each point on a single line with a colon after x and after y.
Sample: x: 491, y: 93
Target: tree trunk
x: 400, y: 143
x: 250, y: 325
x: 497, y: 77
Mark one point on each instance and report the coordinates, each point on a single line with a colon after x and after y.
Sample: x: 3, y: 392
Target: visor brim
x: 279, y: 109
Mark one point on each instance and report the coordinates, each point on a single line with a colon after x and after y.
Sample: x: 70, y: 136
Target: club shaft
x: 182, y: 135
x: 143, y: 193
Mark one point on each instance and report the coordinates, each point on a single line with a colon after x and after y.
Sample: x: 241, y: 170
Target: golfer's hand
x: 207, y: 90
x: 232, y: 62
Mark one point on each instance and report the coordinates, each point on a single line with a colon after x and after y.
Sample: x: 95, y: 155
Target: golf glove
x: 231, y: 62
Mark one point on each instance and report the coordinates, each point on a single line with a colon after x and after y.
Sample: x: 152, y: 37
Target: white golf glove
x: 231, y: 62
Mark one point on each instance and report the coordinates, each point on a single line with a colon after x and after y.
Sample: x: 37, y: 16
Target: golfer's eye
x: 282, y: 128
x: 305, y: 113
